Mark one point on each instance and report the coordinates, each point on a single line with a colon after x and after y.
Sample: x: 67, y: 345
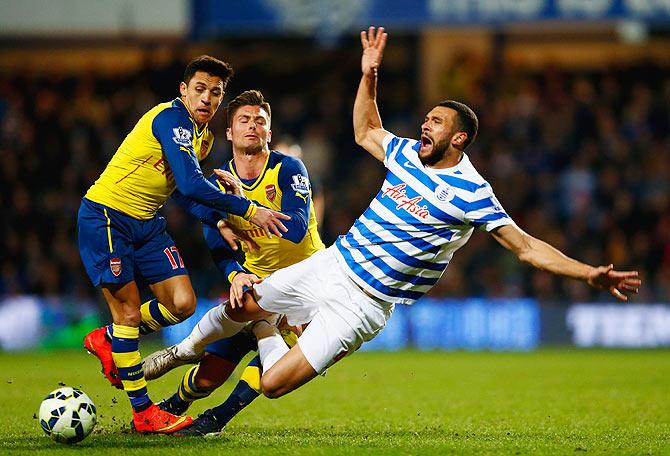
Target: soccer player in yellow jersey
x: 122, y: 240
x: 277, y: 181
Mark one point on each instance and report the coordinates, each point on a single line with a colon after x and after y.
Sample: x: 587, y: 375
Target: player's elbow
x: 360, y: 136
x: 188, y: 190
x: 188, y: 187
x: 296, y: 234
x: 525, y: 256
x: 528, y: 254
x: 526, y: 250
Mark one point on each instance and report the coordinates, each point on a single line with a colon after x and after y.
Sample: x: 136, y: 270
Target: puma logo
x: 303, y: 197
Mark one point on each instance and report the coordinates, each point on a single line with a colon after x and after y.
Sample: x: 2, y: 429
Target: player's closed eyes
x: 258, y: 120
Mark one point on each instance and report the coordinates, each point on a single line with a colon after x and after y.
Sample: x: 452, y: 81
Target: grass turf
x: 546, y: 402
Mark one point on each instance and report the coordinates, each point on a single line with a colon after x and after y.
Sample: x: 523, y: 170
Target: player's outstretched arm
x: 543, y: 256
x: 368, y: 129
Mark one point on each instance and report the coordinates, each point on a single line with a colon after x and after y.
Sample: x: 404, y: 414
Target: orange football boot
x: 155, y: 420
x: 97, y: 344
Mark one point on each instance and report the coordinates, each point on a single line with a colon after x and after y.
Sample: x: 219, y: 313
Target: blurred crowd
x: 579, y: 159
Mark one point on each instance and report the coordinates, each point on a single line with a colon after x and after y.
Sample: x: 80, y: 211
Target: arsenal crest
x: 203, y: 147
x: 270, y: 192
x: 115, y: 266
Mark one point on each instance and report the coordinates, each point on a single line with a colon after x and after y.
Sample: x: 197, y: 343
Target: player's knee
x: 183, y: 304
x: 130, y: 317
x: 270, y: 386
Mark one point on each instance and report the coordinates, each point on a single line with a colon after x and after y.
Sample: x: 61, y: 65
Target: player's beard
x: 252, y: 150
x: 436, y: 154
x: 255, y: 150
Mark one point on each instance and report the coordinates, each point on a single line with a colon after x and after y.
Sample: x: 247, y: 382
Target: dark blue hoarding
x: 438, y: 324
x: 326, y: 17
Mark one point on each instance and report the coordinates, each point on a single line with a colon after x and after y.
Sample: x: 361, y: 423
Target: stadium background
x: 574, y: 106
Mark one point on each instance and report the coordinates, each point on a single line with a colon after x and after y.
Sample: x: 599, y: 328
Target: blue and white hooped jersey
x: 402, y: 244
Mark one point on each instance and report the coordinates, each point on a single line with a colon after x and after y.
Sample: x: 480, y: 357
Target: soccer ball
x: 67, y: 415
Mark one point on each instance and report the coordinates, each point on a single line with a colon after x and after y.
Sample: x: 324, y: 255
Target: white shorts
x: 317, y: 290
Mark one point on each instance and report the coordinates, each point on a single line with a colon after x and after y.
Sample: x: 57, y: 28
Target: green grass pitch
x: 547, y: 402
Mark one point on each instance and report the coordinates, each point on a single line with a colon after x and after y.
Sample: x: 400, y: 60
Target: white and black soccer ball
x: 67, y: 415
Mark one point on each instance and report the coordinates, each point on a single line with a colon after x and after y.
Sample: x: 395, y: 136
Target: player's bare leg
x: 124, y: 305
x: 198, y: 382
x: 177, y: 295
x: 218, y: 323
x: 213, y: 372
x: 284, y: 369
x: 174, y: 302
x: 123, y: 302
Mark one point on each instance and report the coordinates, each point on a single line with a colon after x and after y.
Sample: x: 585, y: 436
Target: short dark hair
x: 209, y: 65
x: 248, y: 98
x: 467, y: 119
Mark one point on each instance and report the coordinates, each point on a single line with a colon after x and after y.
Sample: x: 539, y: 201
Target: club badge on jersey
x: 271, y: 192
x: 115, y: 266
x: 204, y: 147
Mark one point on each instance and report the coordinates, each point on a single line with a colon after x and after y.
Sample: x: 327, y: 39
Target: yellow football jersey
x: 138, y: 179
x: 282, y: 186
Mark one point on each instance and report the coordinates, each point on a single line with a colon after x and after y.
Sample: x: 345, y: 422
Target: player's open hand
x: 240, y: 281
x: 231, y: 183
x: 616, y: 282
x: 373, y: 42
x: 231, y: 235
x: 270, y: 221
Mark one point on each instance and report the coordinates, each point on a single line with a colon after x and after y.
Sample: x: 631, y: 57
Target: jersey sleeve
x: 295, y: 186
x: 390, y: 143
x: 223, y: 256
x: 204, y: 213
x: 485, y: 211
x: 174, y: 132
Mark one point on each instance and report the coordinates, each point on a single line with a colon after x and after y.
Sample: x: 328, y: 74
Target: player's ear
x: 229, y: 134
x: 182, y: 88
x: 269, y: 136
x: 459, y: 138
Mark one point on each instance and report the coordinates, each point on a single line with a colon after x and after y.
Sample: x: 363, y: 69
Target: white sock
x: 270, y: 349
x: 213, y: 326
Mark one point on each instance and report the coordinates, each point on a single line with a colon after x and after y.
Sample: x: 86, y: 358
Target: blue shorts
x: 117, y: 249
x: 234, y: 348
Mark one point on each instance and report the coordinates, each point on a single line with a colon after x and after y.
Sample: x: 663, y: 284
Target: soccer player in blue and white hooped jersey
x: 431, y: 201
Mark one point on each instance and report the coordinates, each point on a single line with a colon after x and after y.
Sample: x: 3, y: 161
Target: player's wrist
x: 232, y: 275
x: 253, y: 208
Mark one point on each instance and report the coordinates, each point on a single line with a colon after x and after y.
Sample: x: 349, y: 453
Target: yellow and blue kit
x: 284, y: 186
x: 121, y: 237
